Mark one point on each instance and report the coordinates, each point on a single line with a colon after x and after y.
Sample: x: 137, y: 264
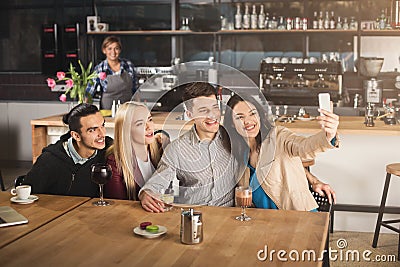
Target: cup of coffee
x: 22, y: 192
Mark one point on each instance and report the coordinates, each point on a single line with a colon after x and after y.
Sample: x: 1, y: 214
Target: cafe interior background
x: 38, y: 38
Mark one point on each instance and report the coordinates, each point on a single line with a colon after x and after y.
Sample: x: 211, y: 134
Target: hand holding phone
x: 324, y: 102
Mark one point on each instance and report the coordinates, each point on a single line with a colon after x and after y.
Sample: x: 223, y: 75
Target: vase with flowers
x: 77, y: 82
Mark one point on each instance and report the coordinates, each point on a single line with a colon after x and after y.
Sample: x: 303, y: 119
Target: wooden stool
x: 395, y: 170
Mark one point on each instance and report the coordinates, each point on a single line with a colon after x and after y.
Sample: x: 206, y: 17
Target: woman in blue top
x: 271, y: 156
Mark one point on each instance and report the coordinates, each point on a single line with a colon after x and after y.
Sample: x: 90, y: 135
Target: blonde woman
x: 136, y: 151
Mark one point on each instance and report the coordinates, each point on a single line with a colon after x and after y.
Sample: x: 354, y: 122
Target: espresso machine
x: 293, y: 83
x: 154, y: 83
x: 373, y: 88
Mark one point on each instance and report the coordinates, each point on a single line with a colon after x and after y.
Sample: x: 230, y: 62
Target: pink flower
x: 63, y: 98
x: 51, y: 83
x: 70, y: 83
x: 102, y: 76
x: 60, y: 75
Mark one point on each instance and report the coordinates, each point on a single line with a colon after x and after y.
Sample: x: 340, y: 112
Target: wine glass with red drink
x: 243, y: 199
x: 100, y: 174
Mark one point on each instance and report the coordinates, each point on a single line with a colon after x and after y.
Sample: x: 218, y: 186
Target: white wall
x: 16, y: 131
x: 382, y: 46
x: 357, y: 172
x: 4, y: 135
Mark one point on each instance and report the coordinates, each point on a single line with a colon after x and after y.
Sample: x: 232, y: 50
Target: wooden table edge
x: 34, y: 229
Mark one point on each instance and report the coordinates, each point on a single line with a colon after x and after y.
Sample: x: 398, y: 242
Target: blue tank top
x: 260, y: 198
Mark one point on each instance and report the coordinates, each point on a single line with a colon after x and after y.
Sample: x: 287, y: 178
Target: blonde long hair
x: 122, y: 149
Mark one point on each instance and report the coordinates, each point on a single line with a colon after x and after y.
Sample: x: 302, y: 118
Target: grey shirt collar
x: 71, y: 151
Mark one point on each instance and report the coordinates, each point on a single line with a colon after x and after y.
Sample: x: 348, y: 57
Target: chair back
x: 19, y: 180
x: 323, y: 202
x: 2, y: 187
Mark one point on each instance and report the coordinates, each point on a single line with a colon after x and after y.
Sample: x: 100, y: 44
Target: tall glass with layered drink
x: 243, y: 199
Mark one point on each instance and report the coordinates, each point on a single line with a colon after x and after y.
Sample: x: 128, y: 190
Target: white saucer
x: 306, y: 119
x: 29, y: 200
x: 161, y: 230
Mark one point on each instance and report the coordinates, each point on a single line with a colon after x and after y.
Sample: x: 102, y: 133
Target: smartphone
x: 324, y: 101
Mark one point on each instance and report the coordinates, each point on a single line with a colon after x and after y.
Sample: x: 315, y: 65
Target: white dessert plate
x: 29, y: 200
x: 306, y: 119
x: 161, y: 230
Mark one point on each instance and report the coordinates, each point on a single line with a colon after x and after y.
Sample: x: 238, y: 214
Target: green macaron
x: 152, y: 228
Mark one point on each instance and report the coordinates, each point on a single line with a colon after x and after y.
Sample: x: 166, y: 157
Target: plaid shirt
x: 126, y: 65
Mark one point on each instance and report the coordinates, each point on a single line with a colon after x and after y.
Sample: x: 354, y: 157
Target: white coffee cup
x: 22, y: 192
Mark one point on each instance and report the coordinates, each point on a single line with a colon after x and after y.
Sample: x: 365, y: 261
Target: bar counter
x: 172, y: 122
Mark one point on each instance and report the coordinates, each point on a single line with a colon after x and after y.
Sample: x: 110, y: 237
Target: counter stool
x: 395, y: 170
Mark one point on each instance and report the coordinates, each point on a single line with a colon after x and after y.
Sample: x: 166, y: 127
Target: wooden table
x: 103, y: 236
x: 42, y: 211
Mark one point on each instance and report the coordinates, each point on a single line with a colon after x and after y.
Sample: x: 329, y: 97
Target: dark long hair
x: 239, y: 146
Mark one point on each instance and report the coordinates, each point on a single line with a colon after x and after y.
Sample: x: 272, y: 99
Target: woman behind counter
x: 136, y: 151
x: 120, y: 81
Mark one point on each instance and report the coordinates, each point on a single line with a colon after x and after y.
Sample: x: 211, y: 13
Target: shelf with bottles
x: 152, y: 32
x: 221, y: 32
x: 256, y: 16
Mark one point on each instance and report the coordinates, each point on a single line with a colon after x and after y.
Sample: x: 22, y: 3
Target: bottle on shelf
x: 382, y: 20
x: 315, y: 21
x: 332, y: 21
x: 326, y: 21
x: 297, y: 23
x: 320, y: 21
x: 353, y: 25
x: 254, y: 18
x: 246, y: 17
x: 345, y: 24
x: 238, y: 18
x: 339, y: 24
x: 267, y: 19
x: 376, y: 23
x: 273, y: 23
x: 261, y: 18
x: 281, y: 23
x: 289, y: 24
x: 304, y: 24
